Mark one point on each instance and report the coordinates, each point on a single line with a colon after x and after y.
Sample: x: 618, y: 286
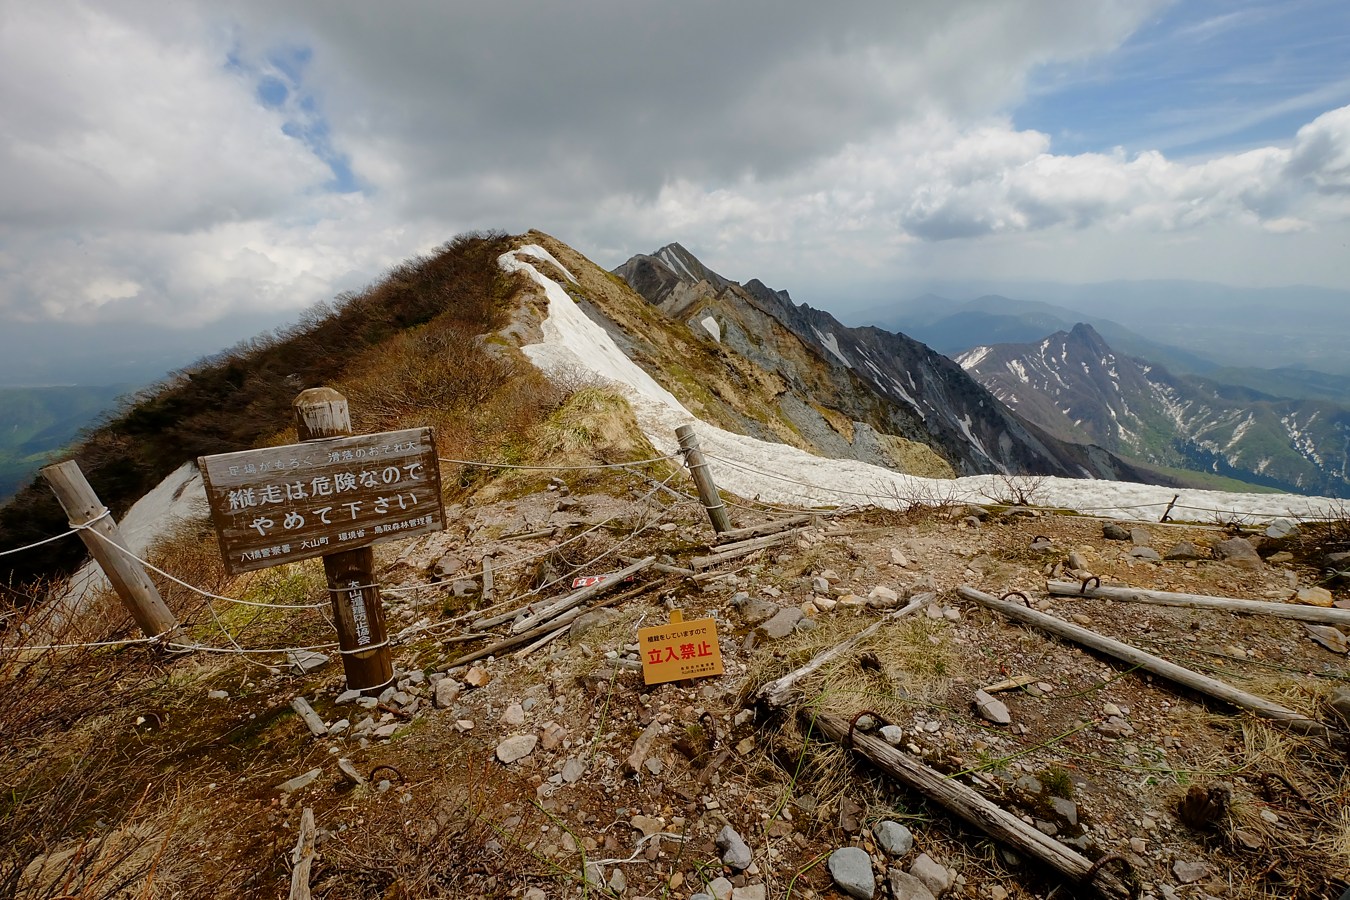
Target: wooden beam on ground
x: 517, y: 639
x: 776, y: 693
x: 740, y: 534
x: 1300, y: 611
x: 310, y: 717
x: 1211, y: 687
x: 580, y: 597
x: 968, y: 804
x: 744, y: 548
x: 302, y: 857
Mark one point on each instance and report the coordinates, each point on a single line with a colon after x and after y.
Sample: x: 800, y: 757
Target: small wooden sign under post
x: 680, y: 650
x: 332, y: 495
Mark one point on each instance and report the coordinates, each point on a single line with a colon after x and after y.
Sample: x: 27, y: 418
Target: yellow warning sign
x: 680, y: 650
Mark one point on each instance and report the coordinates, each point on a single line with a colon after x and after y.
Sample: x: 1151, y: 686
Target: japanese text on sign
x: 283, y: 504
x: 680, y: 650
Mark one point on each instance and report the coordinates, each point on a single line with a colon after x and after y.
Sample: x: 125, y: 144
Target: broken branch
x: 1298, y: 611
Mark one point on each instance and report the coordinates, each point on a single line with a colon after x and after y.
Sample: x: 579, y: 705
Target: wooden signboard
x: 680, y: 650
x: 283, y: 504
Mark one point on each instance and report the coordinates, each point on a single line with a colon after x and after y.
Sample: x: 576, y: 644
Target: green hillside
x: 38, y: 422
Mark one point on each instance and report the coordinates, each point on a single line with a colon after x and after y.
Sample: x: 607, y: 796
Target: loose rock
x: 851, y: 869
x: 516, y: 748
x: 991, y: 708
x: 893, y: 837
x: 735, y: 852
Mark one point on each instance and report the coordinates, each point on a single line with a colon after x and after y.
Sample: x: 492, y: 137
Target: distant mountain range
x: 854, y: 392
x: 37, y: 422
x: 1075, y: 385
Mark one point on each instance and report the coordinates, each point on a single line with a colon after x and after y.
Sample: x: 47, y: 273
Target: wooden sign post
x: 332, y: 495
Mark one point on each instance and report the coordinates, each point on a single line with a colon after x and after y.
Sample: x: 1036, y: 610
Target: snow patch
x: 539, y: 252
x: 832, y: 344
x: 972, y: 358
x: 710, y: 325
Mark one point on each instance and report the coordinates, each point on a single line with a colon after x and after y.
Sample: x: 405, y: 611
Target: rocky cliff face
x: 1074, y: 385
x: 848, y: 391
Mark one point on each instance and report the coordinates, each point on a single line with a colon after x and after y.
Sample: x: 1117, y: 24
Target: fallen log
x: 1299, y: 611
x: 516, y: 640
x: 776, y: 693
x: 660, y: 567
x: 579, y: 597
x: 310, y: 717
x: 1211, y: 687
x: 744, y: 548
x: 739, y: 534
x: 542, y: 642
x: 302, y: 857
x: 968, y: 804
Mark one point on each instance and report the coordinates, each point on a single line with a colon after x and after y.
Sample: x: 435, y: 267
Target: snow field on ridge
x: 779, y: 474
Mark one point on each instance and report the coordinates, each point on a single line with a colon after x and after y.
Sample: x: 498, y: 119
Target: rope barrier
x: 492, y: 465
x: 75, y: 530
x: 196, y: 590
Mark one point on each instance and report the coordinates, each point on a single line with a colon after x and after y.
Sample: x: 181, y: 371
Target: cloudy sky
x: 193, y: 162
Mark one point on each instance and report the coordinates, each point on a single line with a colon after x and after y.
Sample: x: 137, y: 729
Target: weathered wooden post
x: 358, y: 610
x: 698, y: 468
x: 126, y: 574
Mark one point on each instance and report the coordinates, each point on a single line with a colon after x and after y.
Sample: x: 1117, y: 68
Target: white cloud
x: 143, y: 177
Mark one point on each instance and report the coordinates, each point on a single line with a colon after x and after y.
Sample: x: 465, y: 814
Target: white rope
x: 66, y: 534
x: 196, y: 590
x: 492, y: 465
x: 240, y: 651
x: 89, y: 644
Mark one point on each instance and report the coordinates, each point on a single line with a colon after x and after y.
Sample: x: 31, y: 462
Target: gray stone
x: 892, y: 734
x: 1140, y: 536
x: 447, y: 565
x: 516, y: 748
x: 851, y: 869
x: 348, y: 696
x: 933, y: 874
x: 1338, y: 560
x: 217, y: 695
x: 721, y: 888
x: 906, y: 887
x: 1113, y: 531
x: 782, y: 623
x: 1189, y: 871
x: 1331, y: 638
x: 618, y: 882
x: 702, y: 896
x: 302, y: 662
x: 1116, y: 727
x: 1281, y: 529
x: 1147, y: 554
x: 893, y: 837
x: 898, y: 558
x: 447, y: 691
x: 647, y: 825
x: 1184, y: 551
x: 756, y: 891
x: 572, y: 770
x: 514, y: 716
x: 300, y: 781
x: 735, y: 852
x: 464, y: 587
x: 593, y: 619
x: 387, y: 695
x: 977, y: 512
x: 1078, y: 561
x: 991, y: 708
x: 1065, y: 809
x: 759, y: 610
x: 1238, y: 552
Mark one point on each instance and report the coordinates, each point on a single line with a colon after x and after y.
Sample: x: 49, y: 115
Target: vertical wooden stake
x: 1167, y: 513
x: 358, y: 611
x: 698, y: 468
x: 127, y: 576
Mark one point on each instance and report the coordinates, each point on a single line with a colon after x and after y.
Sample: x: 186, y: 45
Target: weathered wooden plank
x: 1298, y: 611
x: 965, y: 802
x: 1211, y: 687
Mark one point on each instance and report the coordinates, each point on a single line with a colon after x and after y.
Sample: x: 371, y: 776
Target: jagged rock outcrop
x: 847, y: 390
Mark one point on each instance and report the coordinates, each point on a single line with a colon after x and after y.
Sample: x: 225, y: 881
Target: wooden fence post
x: 698, y: 468
x: 126, y: 574
x: 357, y: 609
